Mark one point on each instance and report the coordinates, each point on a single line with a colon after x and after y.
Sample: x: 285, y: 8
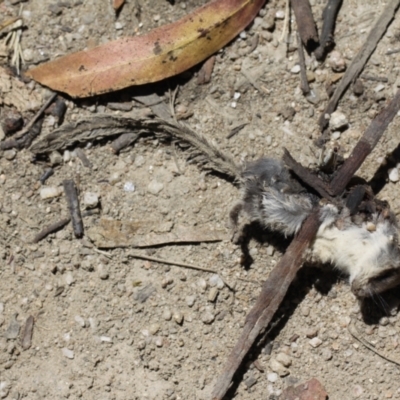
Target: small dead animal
x: 359, y: 236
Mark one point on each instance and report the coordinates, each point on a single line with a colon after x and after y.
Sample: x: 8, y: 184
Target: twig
x: 329, y: 15
x: 58, y: 225
x: 375, y: 78
x: 356, y: 335
x: 73, y: 205
x: 50, y: 229
x: 272, y: 293
x: 83, y: 157
x: 27, y: 332
x: 305, y: 22
x: 364, y: 146
x: 179, y: 264
x: 36, y: 117
x: 236, y: 130
x: 304, y: 86
x: 286, y: 20
x: 306, y: 175
x: 360, y: 59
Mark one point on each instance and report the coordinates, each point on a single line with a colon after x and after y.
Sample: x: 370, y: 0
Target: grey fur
x: 367, y: 251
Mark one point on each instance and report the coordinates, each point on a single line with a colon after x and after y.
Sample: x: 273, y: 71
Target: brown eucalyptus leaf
x: 163, y: 52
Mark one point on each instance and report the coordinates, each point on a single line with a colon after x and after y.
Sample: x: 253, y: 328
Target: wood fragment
x: 27, y: 332
x: 38, y: 115
x: 58, y: 225
x: 306, y: 175
x: 234, y: 131
x: 51, y: 229
x: 204, y: 75
x: 272, y: 293
x: 123, y: 141
x: 329, y: 16
x: 304, y: 86
x: 305, y: 22
x: 83, y: 157
x: 23, y: 141
x: 364, y: 146
x: 375, y: 78
x: 359, y: 61
x: 73, y: 205
x: 179, y: 264
x: 46, y: 175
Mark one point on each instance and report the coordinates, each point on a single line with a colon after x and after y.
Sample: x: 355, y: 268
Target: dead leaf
x: 310, y: 390
x: 163, y: 52
x: 111, y: 233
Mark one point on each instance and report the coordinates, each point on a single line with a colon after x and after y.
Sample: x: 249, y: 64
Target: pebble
x: 277, y: 367
x: 207, y: 317
x: 10, y: 154
x: 67, y: 156
x: 250, y: 381
x: 326, y: 354
x: 167, y: 314
x: 338, y: 121
x: 315, y: 342
x: 311, y: 333
x: 212, y: 295
x: 272, y: 377
x: 202, y: 284
x: 55, y: 158
x: 129, y: 187
x: 48, y: 192
x: 337, y: 62
x: 102, y: 270
x: 215, y: 280
x: 69, y: 278
x: 284, y: 359
x: 155, y: 187
x: 335, y: 135
x: 280, y: 14
x: 4, y: 389
x: 80, y: 321
x: 90, y: 199
x: 190, y: 300
x: 296, y: 69
x: 13, y: 328
x: 394, y: 175
x: 357, y: 391
x: 178, y: 317
x: 154, y: 328
x: 67, y: 353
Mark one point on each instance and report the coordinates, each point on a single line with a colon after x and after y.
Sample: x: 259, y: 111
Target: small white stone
x: 234, y: 104
x: 277, y: 367
x: 69, y: 278
x: 280, y: 14
x: 272, y: 377
x: 243, y: 35
x: 338, y: 121
x: 335, y: 135
x: 215, y: 280
x: 48, y: 192
x: 394, y: 175
x: 212, y: 295
x: 90, y: 199
x: 178, y: 317
x: 284, y: 359
x: 66, y: 156
x: 80, y: 321
x: 154, y: 328
x: 296, y: 69
x: 379, y: 88
x: 67, y: 353
x: 236, y: 95
x: 102, y: 271
x: 55, y: 158
x: 208, y: 316
x: 4, y: 389
x: 155, y: 187
x: 106, y: 339
x: 118, y: 26
x: 337, y: 62
x: 190, y: 300
x: 129, y: 187
x: 167, y: 315
x: 315, y: 342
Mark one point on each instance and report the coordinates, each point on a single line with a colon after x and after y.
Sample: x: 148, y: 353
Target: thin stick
x: 286, y: 20
x: 356, y: 335
x: 25, y: 130
x: 304, y: 86
x: 305, y: 22
x: 364, y: 146
x: 50, y: 229
x: 329, y: 15
x: 73, y: 205
x: 272, y: 293
x: 360, y: 59
x: 179, y: 264
x: 306, y: 175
